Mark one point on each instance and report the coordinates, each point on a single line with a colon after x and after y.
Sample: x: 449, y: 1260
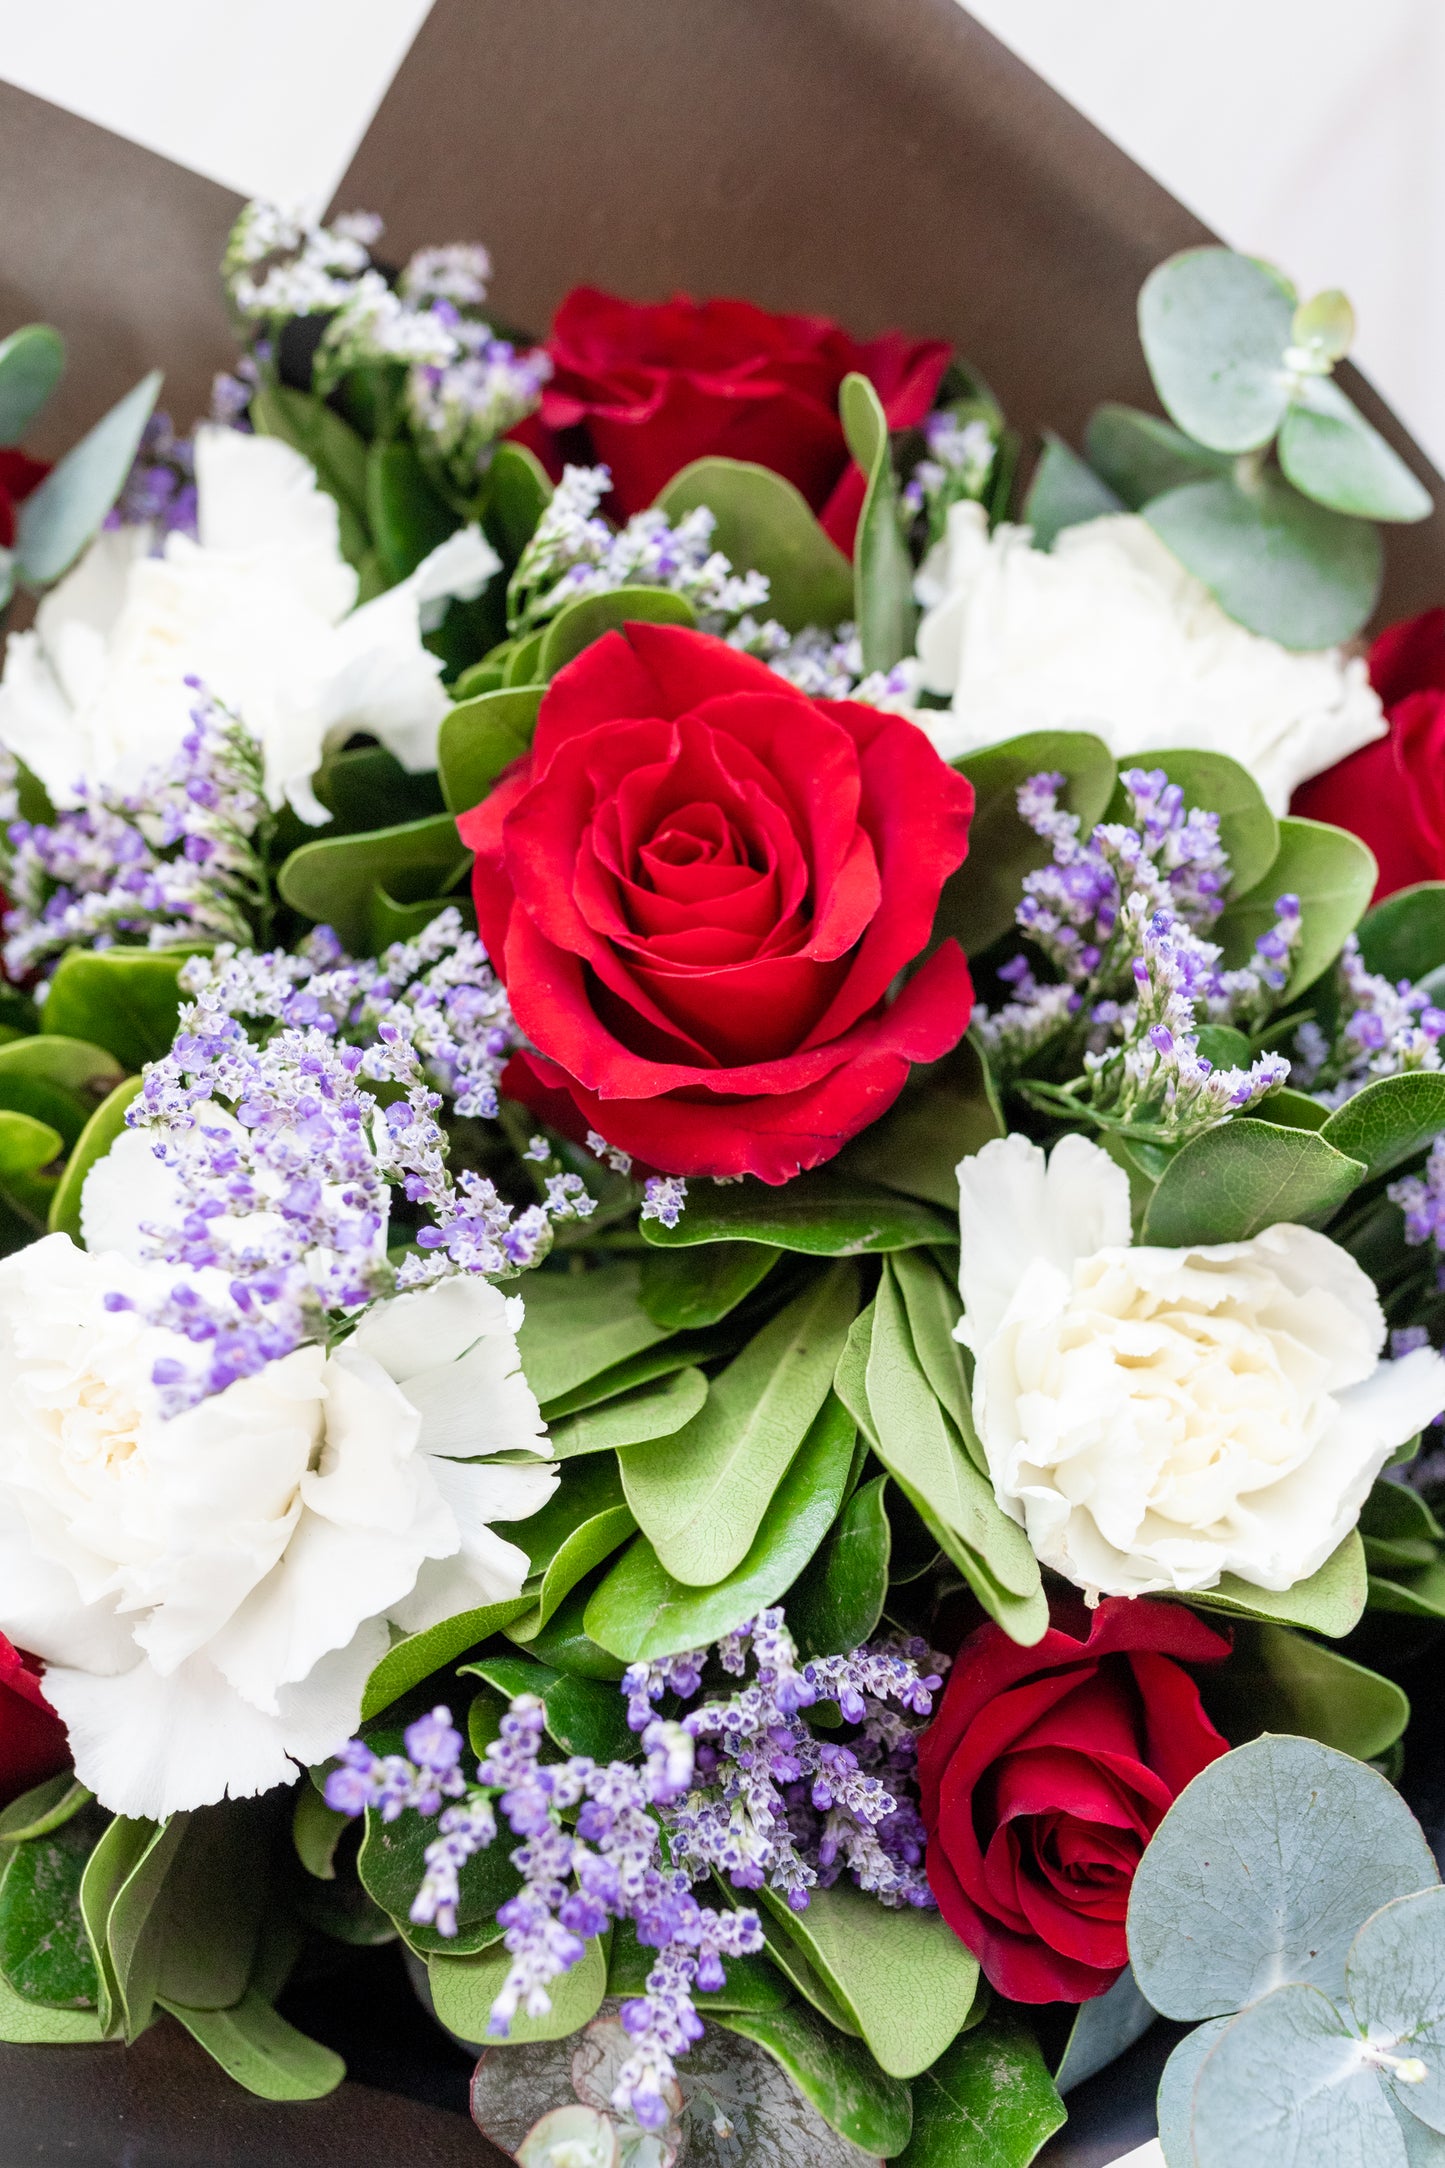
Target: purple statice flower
x: 1421, y: 1197
x: 957, y: 467
x: 181, y: 859
x: 160, y: 490
x: 460, y: 404
x: 1384, y: 1028
x: 827, y: 664
x: 664, y: 1198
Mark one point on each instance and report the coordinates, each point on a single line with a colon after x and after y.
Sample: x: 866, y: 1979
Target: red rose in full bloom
x: 32, y: 1737
x: 700, y: 887
x: 19, y: 474
x: 658, y: 385
x: 1392, y: 794
x: 1043, y: 1777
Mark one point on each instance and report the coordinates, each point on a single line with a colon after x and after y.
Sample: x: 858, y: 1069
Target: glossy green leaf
x: 844, y: 2082
x: 837, y: 1602
x: 640, y: 1612
x: 1262, y: 1870
x: 254, y: 2045
x: 186, y: 1920
x: 43, y: 1808
x: 656, y: 1410
x: 333, y: 879
x: 1285, y: 2082
x: 1234, y: 1181
x: 822, y: 1214
x: 905, y: 1976
x: 316, y: 1830
x: 751, y: 1984
x: 1280, y: 1681
x: 1334, y: 455
x: 979, y: 901
x: 479, y: 738
x: 523, y: 664
x: 1330, y: 1602
x: 109, y: 1867
x: 1140, y: 455
x: 765, y: 524
x: 700, y: 1496
x: 587, y: 619
x: 1390, y: 1120
x: 1101, y: 2032
x: 1285, y: 1108
x: 988, y: 2101
x: 518, y: 493
x: 26, y: 1145
x: 392, y: 1865
x: 464, y: 1989
x: 590, y: 1486
x: 36, y: 2024
x: 1404, y: 937
x: 1064, y: 491
x: 942, y: 1118
x: 687, y: 1289
x: 564, y: 1643
x: 578, y: 1324
x: 408, y: 520
x: 32, y: 362
x: 588, y: 1547
x: 584, y: 1716
x: 364, y: 787
x: 415, y: 1658
x: 1214, y: 783
x: 883, y: 604
x: 45, y: 1954
x: 125, y: 1000
x: 1214, y: 327
x: 58, y: 518
x: 1332, y: 873
x: 1275, y: 562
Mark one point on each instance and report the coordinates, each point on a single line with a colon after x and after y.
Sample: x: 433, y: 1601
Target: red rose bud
x: 657, y: 386
x: 32, y: 1738
x: 1392, y: 794
x: 699, y: 888
x: 1042, y: 1779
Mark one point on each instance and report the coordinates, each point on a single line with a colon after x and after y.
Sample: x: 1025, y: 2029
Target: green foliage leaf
x: 366, y: 787
x: 335, y: 879
x: 43, y: 1808
x: 640, y: 1611
x: 1280, y: 1681
x: 32, y: 362
x: 58, y: 518
x: 518, y: 493
x: 408, y: 519
x: 979, y: 901
x: 1404, y: 937
x: 185, y: 1921
x: 44, y: 1951
x: 1064, y: 492
x: 1176, y: 2093
x: 1141, y: 456
x: 416, y: 1657
x: 115, y: 1857
x: 464, y: 1989
x: 125, y: 1000
x: 588, y: 1546
x: 37, y: 2024
x: 883, y: 603
x: 1389, y: 1121
x: 765, y: 524
x: 316, y: 1830
x: 836, y: 1604
x: 1395, y: 1980
x: 942, y: 1118
x: 1214, y: 327
x: 479, y: 738
x: 1234, y: 1181
x: 578, y: 1324
x: 587, y: 619
x: 656, y: 1410
x: 1261, y: 1871
x: 1330, y: 1602
x: 1215, y: 783
x: 687, y: 1289
x: 1331, y: 872
x: 988, y: 2101
x: 583, y: 1716
x: 700, y: 1497
x: 392, y: 1866
x: 1335, y: 456
x: 857, y: 2099
x: 1275, y: 562
x: 26, y: 1145
x: 254, y: 2045
x: 823, y: 1214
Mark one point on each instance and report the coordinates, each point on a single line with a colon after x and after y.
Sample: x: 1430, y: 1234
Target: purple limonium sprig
x: 957, y: 467
x: 739, y: 1787
x: 178, y: 860
x: 1384, y: 1027
x: 160, y: 490
x: 1421, y: 1197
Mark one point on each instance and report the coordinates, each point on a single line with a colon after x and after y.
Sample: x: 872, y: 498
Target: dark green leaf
x: 367, y: 787
x: 1404, y: 937
x: 764, y: 524
x: 1300, y: 574
x: 44, y: 1952
x: 979, y: 901
x: 883, y: 607
x: 1334, y: 455
x: 408, y: 519
x: 822, y: 1214
x: 587, y: 619
x: 32, y: 361
x: 1214, y: 783
x: 256, y: 2047
x: 1215, y: 327
x: 1234, y: 1181
x: 125, y: 1000
x: 843, y: 2081
x: 1140, y: 455
x: 1332, y: 873
x: 411, y: 1660
x: 1389, y: 1121
x: 1279, y: 1681
x: 58, y: 518
x: 518, y: 493
x: 751, y: 1984
x: 940, y: 1120
x: 26, y: 1145
x: 836, y: 1604
x: 578, y: 1324
x: 584, y: 1716
x: 586, y: 1548
x: 988, y: 2101
x: 392, y: 1868
x: 686, y: 1289
x: 1064, y: 492
x: 479, y: 738
x: 333, y: 880
x: 316, y: 1830
x: 591, y: 1486
x: 43, y: 1808
x: 640, y: 1612
x: 1285, y: 1108
x: 656, y: 1410
x: 564, y: 1642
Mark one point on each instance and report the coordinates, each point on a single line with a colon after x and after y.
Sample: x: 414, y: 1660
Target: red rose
x: 1043, y: 1777
x: 32, y: 1738
x: 657, y: 386
x: 1392, y: 794
x: 19, y: 474
x: 699, y: 888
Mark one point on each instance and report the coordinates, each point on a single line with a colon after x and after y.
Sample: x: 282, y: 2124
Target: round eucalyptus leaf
x: 32, y: 361
x: 1325, y: 324
x: 1334, y: 455
x: 1140, y: 455
x: 1288, y: 2082
x: 1395, y: 1977
x: 1175, y: 2104
x: 1215, y: 327
x: 1276, y: 562
x: 1063, y: 493
x: 1261, y: 1872
x: 57, y: 520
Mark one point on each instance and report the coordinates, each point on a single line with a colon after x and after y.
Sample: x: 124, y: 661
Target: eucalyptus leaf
x: 1231, y: 1182
x: 883, y: 605
x: 843, y: 2081
x: 1334, y: 876
x: 1176, y: 2093
x: 1286, y: 2082
x: 687, y: 1289
x: 1140, y: 455
x: 479, y: 738
x: 979, y: 901
x: 656, y: 1410
x: 762, y: 523
x: 587, y: 619
x: 32, y: 362
x: 1390, y: 1120
x: 1214, y: 327
x: 333, y: 879
x: 640, y: 1612
x: 464, y: 1989
x: 1216, y: 784
x: 1064, y: 491
x: 988, y: 2101
x: 125, y: 1000
x: 1101, y: 2032
x: 823, y: 1214
x: 1276, y: 562
x: 62, y: 514
x: 1395, y: 1980
x: 254, y: 2045
x: 1404, y: 936
x: 836, y: 1604
x: 1329, y: 450
x: 1262, y: 1870
x: 578, y: 1324
x: 700, y: 1497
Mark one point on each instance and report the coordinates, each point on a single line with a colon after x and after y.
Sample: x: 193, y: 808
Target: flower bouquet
x: 723, y: 1249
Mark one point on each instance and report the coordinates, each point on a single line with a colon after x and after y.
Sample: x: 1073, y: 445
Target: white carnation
x: 261, y: 608
x: 1156, y: 1418
x: 1108, y: 632
x: 210, y: 1592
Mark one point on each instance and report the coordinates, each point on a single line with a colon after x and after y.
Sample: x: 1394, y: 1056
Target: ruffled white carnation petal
x: 124, y: 1191
x: 257, y: 497
x: 1016, y: 1208
x: 488, y: 1567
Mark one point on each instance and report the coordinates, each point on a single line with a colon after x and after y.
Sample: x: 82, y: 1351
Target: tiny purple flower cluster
x: 180, y: 859
x: 1384, y: 1028
x: 956, y: 468
x: 1421, y: 1197
x: 160, y: 490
